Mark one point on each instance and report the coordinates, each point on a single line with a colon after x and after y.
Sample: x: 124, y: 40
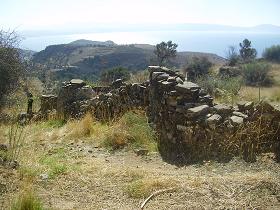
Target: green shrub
x: 224, y: 88
x: 272, y: 53
x: 228, y: 84
x: 257, y: 74
x: 198, y: 67
x: 111, y: 75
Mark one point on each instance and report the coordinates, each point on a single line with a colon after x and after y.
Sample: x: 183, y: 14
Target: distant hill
x: 87, y: 59
x: 84, y: 42
x: 26, y: 54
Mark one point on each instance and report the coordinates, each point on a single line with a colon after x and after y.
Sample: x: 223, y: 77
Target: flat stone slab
x: 179, y: 80
x: 77, y: 82
x: 157, y: 68
x: 198, y: 111
x: 240, y: 114
x: 223, y: 109
x: 48, y: 96
x: 215, y: 118
x: 187, y: 87
x: 156, y: 74
x: 245, y: 105
x: 236, y: 120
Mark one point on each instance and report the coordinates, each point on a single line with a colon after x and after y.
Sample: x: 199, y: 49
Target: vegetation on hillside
x: 11, y: 67
x: 272, y: 53
x: 110, y: 75
x: 198, y: 67
x: 247, y: 52
x: 257, y: 74
x: 88, y: 156
x: 165, y: 51
x: 232, y: 56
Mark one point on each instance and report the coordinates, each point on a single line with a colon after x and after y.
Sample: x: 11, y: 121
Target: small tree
x: 198, y: 67
x: 232, y: 56
x: 272, y: 53
x: 111, y: 75
x: 247, y: 53
x: 10, y: 62
x: 165, y: 51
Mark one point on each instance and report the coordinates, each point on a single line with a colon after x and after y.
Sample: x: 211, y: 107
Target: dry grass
x: 27, y: 200
x: 79, y: 179
x: 81, y: 128
x: 121, y: 180
x: 144, y: 187
x: 139, y: 77
x: 116, y: 138
x: 131, y: 130
x: 267, y: 93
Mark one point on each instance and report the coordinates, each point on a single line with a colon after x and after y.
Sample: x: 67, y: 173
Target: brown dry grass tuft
x: 144, y: 187
x: 81, y: 128
x: 117, y: 137
x: 27, y: 200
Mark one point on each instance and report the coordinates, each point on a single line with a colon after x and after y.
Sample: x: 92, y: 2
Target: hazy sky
x: 47, y: 14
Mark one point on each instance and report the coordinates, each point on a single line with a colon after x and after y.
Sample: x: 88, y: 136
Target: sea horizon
x: 216, y: 42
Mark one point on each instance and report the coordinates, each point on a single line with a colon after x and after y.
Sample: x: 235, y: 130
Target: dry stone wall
x: 189, y: 125
x: 192, y: 128
x: 105, y: 103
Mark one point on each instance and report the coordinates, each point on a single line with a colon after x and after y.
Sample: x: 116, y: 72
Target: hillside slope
x: 91, y: 57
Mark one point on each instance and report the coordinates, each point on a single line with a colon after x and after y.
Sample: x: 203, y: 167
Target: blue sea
x: 198, y: 41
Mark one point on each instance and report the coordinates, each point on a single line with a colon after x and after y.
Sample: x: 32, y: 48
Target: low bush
x: 272, y: 53
x: 257, y: 74
x: 111, y: 75
x: 198, y: 67
x: 223, y: 88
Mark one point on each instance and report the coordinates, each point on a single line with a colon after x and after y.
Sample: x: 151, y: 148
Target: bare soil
x: 97, y: 179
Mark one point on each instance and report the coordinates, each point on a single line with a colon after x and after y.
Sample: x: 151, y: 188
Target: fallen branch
x: 153, y: 195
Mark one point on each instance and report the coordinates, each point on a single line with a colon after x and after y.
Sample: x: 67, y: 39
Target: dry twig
x: 155, y: 194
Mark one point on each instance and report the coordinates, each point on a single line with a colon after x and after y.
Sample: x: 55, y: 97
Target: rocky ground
x: 76, y: 173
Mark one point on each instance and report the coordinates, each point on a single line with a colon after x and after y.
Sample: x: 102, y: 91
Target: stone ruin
x: 189, y: 125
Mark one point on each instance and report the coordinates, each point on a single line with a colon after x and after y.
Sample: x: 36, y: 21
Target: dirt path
x: 79, y: 175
